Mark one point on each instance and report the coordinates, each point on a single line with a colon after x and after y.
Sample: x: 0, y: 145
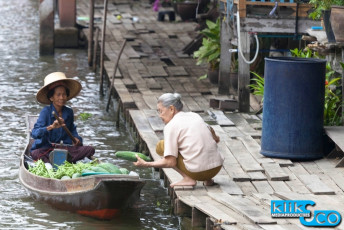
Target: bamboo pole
x: 102, y: 48
x: 90, y: 40
x: 114, y: 73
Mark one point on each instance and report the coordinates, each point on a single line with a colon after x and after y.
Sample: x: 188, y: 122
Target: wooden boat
x: 100, y: 196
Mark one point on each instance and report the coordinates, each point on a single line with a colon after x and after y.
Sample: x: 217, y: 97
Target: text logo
x: 298, y: 209
x: 323, y: 218
x: 290, y: 208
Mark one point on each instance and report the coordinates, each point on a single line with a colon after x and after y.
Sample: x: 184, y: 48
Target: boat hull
x: 99, y: 196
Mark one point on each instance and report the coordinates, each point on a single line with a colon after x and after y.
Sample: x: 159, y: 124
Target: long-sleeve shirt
x: 43, y: 137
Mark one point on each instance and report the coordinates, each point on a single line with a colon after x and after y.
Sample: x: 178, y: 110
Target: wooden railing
x: 303, y: 8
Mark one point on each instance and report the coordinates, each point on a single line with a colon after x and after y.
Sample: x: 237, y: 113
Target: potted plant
x: 337, y: 20
x: 186, y: 9
x: 322, y: 10
x: 210, y: 50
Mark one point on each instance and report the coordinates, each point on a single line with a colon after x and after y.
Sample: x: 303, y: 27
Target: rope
x: 45, y: 153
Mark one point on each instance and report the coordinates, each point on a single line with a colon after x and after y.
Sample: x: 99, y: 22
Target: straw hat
x: 57, y: 79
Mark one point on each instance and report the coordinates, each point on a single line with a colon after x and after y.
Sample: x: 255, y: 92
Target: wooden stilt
x: 244, y: 74
x: 95, y: 50
x: 210, y: 224
x: 117, y: 112
x: 90, y: 39
x: 198, y: 218
x: 166, y: 182
x: 161, y: 174
x: 181, y: 209
x: 225, y: 62
x: 342, y: 88
x: 102, y: 48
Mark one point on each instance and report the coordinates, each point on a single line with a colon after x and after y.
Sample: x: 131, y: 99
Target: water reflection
x: 21, y: 74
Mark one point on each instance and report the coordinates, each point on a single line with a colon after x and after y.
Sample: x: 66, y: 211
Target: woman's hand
x: 76, y: 142
x: 140, y: 162
x: 165, y: 162
x: 56, y: 124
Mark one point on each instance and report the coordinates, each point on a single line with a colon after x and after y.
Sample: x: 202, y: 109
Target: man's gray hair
x: 174, y: 99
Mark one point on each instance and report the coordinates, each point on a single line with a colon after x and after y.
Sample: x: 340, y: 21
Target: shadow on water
x: 22, y: 73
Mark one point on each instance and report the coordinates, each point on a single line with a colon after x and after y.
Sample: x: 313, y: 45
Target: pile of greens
x: 69, y: 170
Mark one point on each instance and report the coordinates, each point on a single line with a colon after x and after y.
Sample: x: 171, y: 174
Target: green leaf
x: 203, y: 77
x: 85, y: 116
x: 342, y: 65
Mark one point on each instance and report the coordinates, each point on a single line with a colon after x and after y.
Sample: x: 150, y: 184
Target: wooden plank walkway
x: 152, y: 64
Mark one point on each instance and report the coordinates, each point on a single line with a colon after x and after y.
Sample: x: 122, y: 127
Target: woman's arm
x: 165, y: 162
x: 40, y: 128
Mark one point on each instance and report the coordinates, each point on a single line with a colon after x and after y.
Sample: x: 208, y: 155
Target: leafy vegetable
x: 258, y: 86
x: 70, y: 171
x: 85, y: 116
x: 66, y: 169
x: 41, y: 170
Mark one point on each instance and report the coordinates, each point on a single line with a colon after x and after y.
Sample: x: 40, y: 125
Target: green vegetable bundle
x: 41, y: 170
x: 70, y: 171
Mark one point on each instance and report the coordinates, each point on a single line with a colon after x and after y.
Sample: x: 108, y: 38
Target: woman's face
x: 59, y: 98
x: 166, y: 113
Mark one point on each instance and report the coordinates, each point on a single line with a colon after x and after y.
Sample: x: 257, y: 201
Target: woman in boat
x: 57, y: 90
x: 189, y: 145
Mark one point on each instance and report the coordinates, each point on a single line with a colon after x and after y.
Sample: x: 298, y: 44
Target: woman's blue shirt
x: 43, y: 137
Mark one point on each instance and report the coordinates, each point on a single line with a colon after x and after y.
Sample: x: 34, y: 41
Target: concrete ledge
x: 66, y: 37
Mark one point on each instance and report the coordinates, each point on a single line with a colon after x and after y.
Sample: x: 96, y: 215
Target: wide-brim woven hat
x: 57, y: 79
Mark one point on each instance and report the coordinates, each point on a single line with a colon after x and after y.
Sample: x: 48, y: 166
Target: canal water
x: 22, y: 71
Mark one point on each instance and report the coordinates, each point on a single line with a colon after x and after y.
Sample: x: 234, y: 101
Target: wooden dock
x: 152, y: 64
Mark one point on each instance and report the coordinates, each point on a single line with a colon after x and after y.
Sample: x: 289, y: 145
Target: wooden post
x: 161, y: 173
x: 209, y: 224
x: 90, y: 40
x: 46, y: 22
x: 181, y: 209
x: 95, y: 47
x: 198, y: 218
x: 244, y: 74
x: 242, y: 8
x: 118, y: 113
x: 102, y: 48
x: 225, y: 58
x: 342, y: 87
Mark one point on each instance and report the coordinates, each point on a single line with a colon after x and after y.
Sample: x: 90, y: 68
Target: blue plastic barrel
x: 293, y: 108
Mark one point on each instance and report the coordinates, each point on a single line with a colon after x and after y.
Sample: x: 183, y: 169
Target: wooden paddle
x: 64, y: 127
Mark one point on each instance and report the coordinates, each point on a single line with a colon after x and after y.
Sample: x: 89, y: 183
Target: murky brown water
x: 21, y: 74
